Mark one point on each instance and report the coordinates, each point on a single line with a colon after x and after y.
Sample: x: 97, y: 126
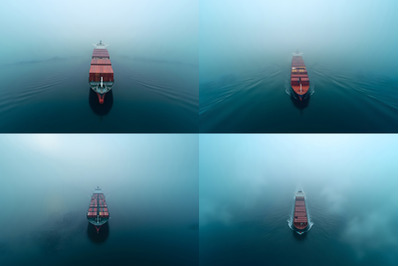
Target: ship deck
x: 300, y: 90
x: 299, y: 80
x: 100, y: 67
x: 98, y: 207
x: 300, y: 219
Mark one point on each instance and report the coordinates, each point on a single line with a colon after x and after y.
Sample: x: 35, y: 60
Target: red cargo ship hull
x: 101, y: 73
x: 300, y: 215
x: 299, y: 80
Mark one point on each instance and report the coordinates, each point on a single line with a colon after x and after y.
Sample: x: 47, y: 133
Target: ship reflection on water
x: 101, y: 109
x: 98, y: 237
x: 299, y: 237
x: 300, y: 104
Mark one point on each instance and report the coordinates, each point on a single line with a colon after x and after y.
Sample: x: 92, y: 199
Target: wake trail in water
x: 185, y: 100
x: 229, y: 87
x: 14, y: 98
x: 364, y: 85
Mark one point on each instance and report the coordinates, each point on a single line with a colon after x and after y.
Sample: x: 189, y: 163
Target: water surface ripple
x: 259, y: 102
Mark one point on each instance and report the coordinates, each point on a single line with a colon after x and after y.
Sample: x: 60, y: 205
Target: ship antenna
x: 297, y: 53
x: 100, y: 45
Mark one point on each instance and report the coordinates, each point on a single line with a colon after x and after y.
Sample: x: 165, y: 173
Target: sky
x: 241, y: 34
x: 44, y: 29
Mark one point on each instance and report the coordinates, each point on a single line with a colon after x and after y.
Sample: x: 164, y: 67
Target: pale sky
x: 246, y: 33
x: 151, y: 28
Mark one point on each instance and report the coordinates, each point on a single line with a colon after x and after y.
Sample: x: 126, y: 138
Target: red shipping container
x: 100, y: 51
x: 98, y: 61
x: 98, y: 71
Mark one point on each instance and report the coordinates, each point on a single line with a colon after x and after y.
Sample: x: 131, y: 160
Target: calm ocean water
x: 149, y: 95
x: 259, y: 100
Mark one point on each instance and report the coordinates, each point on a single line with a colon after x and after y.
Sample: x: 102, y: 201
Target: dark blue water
x: 343, y: 99
x: 129, y: 238
x: 53, y: 95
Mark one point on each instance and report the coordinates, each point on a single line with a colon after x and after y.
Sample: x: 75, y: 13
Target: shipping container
x: 101, y: 61
x: 98, y: 71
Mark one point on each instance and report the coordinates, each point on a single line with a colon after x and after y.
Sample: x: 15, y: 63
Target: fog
x: 147, y: 179
x: 333, y: 166
x: 154, y: 29
x: 240, y: 36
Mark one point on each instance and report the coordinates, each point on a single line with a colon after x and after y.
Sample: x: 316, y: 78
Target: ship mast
x: 100, y: 45
x: 297, y: 53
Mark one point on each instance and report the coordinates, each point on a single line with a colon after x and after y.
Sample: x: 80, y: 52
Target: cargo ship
x: 299, y: 80
x: 101, y: 74
x: 98, y: 213
x: 300, y: 222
